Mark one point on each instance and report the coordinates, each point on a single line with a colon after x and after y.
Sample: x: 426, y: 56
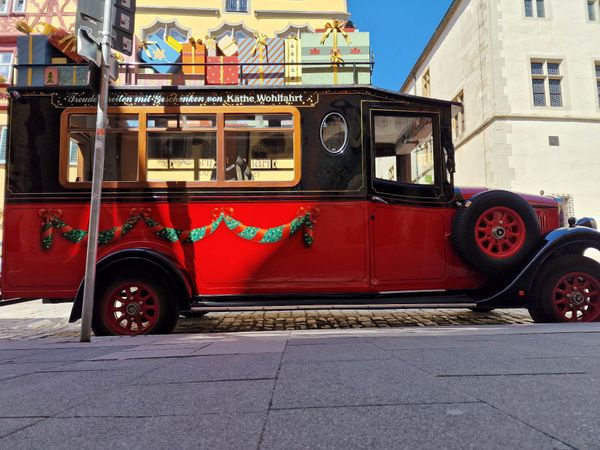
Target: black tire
x: 481, y: 309
x: 555, y: 289
x: 512, y: 231
x: 152, y: 293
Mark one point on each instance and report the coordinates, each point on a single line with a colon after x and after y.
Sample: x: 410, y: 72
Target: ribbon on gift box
x: 260, y: 47
x: 174, y: 43
x: 211, y: 46
x: 334, y: 28
x: 195, y: 43
x: 145, y: 47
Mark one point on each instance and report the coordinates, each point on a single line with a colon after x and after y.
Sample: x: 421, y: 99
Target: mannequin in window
x: 236, y: 167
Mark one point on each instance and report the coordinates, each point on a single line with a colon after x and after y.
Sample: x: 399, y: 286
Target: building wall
x: 485, y: 48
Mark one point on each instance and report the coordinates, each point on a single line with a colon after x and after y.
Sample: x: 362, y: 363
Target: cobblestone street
x: 34, y: 320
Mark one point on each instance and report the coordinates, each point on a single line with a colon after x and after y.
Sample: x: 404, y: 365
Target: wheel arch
x: 176, y: 276
x: 564, y: 241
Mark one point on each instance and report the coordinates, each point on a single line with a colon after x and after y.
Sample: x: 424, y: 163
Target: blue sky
x: 400, y: 30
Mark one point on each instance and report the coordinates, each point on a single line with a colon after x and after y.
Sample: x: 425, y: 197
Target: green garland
x: 304, y: 220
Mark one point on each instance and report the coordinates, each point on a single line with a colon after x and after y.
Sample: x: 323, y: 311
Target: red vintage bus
x: 238, y: 198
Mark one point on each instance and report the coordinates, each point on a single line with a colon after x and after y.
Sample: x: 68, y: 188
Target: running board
x: 268, y: 304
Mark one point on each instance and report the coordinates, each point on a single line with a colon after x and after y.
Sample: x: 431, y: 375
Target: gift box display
x: 222, y: 70
x: 73, y: 75
x: 146, y: 76
x: 63, y: 41
x: 266, y: 57
x: 341, y: 51
x: 34, y: 49
x: 227, y: 46
x: 194, y: 54
x: 158, y: 53
x: 293, y: 56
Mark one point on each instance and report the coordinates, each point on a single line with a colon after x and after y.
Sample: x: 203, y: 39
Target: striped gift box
x: 267, y: 64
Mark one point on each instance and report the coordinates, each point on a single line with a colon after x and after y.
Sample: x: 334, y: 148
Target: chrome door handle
x: 379, y: 200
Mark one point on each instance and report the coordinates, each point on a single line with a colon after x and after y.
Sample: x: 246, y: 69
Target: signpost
x: 95, y: 30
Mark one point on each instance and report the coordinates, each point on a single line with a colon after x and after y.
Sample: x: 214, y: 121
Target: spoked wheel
x: 133, y: 305
x: 500, y: 232
x: 567, y: 290
x: 496, y: 231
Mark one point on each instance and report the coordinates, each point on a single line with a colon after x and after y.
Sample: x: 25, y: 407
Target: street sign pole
x: 98, y: 176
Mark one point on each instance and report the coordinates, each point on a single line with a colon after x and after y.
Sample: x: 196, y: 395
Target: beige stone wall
x: 486, y: 50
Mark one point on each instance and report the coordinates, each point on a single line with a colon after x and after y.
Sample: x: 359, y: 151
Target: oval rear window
x: 334, y: 133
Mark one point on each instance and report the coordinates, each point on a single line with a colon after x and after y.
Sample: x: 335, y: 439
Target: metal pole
x: 98, y: 176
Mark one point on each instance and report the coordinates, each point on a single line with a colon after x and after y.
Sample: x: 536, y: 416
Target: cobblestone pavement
x: 34, y: 320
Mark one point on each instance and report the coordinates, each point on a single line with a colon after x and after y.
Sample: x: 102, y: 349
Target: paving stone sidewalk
x: 34, y: 320
x: 454, y: 387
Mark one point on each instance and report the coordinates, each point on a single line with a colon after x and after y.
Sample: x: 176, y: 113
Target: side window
x: 259, y: 147
x: 181, y: 147
x: 121, y: 158
x: 404, y: 149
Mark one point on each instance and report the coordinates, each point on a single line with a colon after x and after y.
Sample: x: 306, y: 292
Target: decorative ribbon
x: 305, y: 219
x: 334, y: 28
x: 145, y: 47
x: 195, y: 47
x: 260, y: 47
x: 69, y: 43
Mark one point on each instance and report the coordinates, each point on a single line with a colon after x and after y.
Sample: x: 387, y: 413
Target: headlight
x: 587, y: 222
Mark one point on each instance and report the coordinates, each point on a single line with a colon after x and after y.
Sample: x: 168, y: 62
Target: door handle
x: 379, y: 200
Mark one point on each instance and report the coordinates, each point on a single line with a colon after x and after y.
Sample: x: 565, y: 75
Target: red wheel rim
x: 575, y: 297
x: 500, y: 232
x: 132, y: 308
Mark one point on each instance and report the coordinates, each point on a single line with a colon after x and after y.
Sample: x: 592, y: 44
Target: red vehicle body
x: 324, y: 204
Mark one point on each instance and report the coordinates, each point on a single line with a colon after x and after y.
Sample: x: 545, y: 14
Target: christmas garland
x: 304, y: 220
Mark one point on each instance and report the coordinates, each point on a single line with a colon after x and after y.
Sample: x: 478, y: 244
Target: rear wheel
x: 567, y: 290
x: 135, y: 303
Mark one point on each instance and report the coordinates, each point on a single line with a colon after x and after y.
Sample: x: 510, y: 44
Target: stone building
x: 528, y: 74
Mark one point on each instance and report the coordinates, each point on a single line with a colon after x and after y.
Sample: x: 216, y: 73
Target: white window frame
x: 3, y: 140
x: 458, y: 120
x: 10, y: 65
x: 547, y: 78
x: 535, y: 9
x: 595, y: 4
x: 10, y: 8
x: 237, y: 10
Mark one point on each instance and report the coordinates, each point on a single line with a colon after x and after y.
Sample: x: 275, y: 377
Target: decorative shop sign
x: 69, y: 99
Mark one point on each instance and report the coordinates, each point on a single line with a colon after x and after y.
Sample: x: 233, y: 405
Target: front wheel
x: 567, y: 290
x: 133, y: 304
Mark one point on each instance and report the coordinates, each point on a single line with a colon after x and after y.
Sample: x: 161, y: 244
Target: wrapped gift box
x: 74, y: 75
x: 227, y: 46
x: 146, y: 76
x: 293, y: 54
x: 222, y: 74
x: 65, y: 42
x: 358, y: 51
x: 156, y: 50
x: 34, y: 49
x: 194, y: 52
x: 266, y: 61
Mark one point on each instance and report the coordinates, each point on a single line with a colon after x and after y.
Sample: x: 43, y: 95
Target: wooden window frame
x: 220, y: 112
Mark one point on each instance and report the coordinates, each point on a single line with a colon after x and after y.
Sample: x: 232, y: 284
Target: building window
x: 6, y: 62
x: 458, y: 120
x: 546, y: 83
x: 166, y: 29
x: 426, y: 84
x: 539, y: 10
x: 592, y: 9
x: 13, y: 6
x: 598, y: 81
x: 236, y: 6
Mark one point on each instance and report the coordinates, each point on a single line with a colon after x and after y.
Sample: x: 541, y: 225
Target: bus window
x: 121, y: 158
x: 181, y: 147
x: 259, y: 147
x: 404, y: 149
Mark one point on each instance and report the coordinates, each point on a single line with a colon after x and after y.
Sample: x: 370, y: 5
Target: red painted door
x: 409, y: 247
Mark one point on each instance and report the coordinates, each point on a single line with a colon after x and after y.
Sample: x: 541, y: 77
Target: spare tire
x: 495, y: 231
